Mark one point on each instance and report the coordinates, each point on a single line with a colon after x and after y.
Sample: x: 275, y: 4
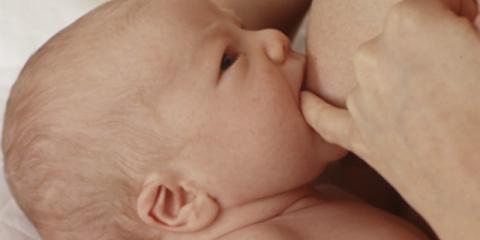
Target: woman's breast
x: 336, y: 30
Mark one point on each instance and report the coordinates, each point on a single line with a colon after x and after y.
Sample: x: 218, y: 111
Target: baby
x: 145, y: 121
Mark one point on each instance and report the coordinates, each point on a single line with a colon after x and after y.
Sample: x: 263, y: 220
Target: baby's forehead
x: 154, y: 40
x: 185, y: 34
x: 182, y: 13
x: 144, y: 46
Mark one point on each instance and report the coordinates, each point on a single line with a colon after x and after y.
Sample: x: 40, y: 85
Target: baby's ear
x: 173, y: 206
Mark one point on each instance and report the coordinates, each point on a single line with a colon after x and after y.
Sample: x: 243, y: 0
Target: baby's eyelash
x: 228, y: 60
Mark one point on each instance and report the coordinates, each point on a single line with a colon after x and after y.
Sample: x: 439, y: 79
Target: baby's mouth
x: 294, y: 71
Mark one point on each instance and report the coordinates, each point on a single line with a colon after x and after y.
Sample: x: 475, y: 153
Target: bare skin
x: 238, y: 157
x: 266, y: 195
x: 414, y: 115
x: 383, y: 196
x: 282, y: 15
x: 336, y: 29
x: 286, y: 15
x: 329, y: 214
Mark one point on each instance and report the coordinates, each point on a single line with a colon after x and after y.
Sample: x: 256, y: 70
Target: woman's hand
x: 415, y: 113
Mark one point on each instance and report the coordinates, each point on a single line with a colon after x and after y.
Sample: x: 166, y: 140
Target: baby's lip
x: 295, y: 72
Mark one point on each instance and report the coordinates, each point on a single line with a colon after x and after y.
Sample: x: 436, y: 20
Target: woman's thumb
x: 333, y: 124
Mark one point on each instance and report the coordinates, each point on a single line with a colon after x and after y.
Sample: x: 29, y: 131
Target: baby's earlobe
x: 170, y: 206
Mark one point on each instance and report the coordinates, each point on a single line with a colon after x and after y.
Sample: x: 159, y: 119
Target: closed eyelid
x: 237, y: 66
x: 226, y: 40
x: 232, y: 54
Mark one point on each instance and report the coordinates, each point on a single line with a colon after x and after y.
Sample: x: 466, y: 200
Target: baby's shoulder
x: 335, y: 218
x: 348, y: 219
x: 338, y: 215
x: 264, y: 231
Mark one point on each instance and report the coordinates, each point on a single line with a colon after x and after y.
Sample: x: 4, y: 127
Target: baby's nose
x: 275, y: 44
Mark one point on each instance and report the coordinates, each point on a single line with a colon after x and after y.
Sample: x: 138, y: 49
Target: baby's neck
x: 239, y: 217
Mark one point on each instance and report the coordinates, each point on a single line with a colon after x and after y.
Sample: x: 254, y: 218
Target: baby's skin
x: 186, y: 123
x: 328, y: 213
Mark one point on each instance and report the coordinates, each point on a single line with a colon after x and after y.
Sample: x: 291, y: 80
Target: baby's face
x: 232, y: 97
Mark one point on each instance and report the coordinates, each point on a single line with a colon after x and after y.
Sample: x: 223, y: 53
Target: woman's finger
x: 333, y: 124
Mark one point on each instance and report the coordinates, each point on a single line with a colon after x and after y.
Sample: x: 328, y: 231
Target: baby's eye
x: 228, y: 60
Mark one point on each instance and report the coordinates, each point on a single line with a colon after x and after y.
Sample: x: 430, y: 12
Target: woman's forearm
x: 284, y: 15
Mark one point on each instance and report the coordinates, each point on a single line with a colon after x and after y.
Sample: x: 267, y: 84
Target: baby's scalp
x: 80, y: 126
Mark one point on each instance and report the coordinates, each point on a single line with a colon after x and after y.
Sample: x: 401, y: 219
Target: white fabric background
x: 24, y: 26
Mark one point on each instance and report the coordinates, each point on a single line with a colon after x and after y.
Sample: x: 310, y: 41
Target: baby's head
x: 148, y: 118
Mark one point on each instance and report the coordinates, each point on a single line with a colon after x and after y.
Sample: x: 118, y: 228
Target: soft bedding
x: 24, y: 26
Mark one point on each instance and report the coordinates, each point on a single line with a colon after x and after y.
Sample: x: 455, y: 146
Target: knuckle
x: 351, y: 101
x: 353, y: 104
x: 365, y: 54
x: 404, y: 16
x: 360, y: 54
